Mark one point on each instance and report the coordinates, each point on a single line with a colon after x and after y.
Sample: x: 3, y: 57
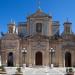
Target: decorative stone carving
x: 39, y: 45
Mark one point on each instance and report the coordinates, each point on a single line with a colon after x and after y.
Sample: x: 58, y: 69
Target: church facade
x: 38, y: 42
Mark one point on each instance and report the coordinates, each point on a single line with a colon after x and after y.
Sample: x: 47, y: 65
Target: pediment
x: 39, y: 13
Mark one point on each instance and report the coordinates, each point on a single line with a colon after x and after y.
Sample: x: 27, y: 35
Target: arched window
x: 39, y: 27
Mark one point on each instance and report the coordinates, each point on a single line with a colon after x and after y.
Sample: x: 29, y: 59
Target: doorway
x: 38, y: 58
x: 67, y: 59
x: 10, y: 60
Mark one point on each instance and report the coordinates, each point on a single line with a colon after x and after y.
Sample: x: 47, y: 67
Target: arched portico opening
x: 38, y: 59
x: 10, y: 60
x: 67, y: 59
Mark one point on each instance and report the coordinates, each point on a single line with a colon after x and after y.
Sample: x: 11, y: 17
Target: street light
x: 24, y: 51
x: 52, y: 51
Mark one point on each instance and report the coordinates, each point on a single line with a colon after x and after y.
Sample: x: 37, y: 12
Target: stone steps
x: 37, y: 71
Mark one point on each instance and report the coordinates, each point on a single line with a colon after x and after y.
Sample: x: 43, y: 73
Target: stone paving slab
x: 36, y: 71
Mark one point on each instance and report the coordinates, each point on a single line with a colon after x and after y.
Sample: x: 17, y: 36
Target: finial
x: 11, y: 20
x: 39, y: 4
x: 50, y: 14
x: 14, y: 22
x: 67, y: 19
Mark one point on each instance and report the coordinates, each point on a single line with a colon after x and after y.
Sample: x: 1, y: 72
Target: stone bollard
x: 69, y: 71
x: 2, y: 70
x: 19, y: 72
x: 52, y: 65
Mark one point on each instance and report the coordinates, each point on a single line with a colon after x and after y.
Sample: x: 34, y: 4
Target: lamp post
x: 24, y: 51
x: 52, y: 51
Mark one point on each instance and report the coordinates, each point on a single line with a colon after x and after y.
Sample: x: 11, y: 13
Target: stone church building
x: 38, y: 42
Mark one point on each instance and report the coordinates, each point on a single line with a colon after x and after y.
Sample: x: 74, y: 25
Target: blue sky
x: 18, y: 10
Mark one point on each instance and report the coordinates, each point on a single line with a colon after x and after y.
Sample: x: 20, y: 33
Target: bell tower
x: 11, y: 27
x: 67, y: 27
